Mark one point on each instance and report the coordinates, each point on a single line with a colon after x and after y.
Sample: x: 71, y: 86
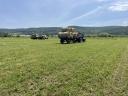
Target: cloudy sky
x: 42, y: 13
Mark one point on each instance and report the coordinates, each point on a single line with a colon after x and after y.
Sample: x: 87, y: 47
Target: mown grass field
x: 98, y: 67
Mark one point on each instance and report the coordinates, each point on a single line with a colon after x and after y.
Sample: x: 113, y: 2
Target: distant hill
x: 113, y: 30
x: 29, y: 31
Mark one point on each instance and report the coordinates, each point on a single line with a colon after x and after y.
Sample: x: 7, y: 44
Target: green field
x: 98, y: 67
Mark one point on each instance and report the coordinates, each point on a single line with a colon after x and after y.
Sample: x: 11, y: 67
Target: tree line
x: 106, y: 31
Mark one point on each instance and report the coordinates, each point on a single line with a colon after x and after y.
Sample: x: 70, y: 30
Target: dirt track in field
x: 118, y: 85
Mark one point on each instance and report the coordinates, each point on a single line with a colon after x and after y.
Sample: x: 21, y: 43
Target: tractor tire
x: 79, y: 40
x: 84, y: 40
x: 62, y: 41
x: 68, y: 41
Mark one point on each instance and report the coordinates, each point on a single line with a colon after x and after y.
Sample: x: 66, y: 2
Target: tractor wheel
x: 62, y: 41
x: 84, y: 40
x: 74, y: 41
x: 79, y: 40
x: 68, y: 41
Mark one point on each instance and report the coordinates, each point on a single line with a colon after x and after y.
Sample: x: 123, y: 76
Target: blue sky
x: 46, y: 13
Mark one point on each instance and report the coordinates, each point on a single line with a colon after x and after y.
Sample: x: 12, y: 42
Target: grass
x: 47, y: 68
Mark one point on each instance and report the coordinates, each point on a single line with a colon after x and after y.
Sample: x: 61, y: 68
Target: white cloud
x: 119, y: 6
x: 103, y: 0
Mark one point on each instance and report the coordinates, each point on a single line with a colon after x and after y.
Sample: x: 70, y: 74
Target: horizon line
x: 67, y: 26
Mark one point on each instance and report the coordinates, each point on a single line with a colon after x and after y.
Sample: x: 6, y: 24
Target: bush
x: 5, y: 35
x: 104, y: 35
